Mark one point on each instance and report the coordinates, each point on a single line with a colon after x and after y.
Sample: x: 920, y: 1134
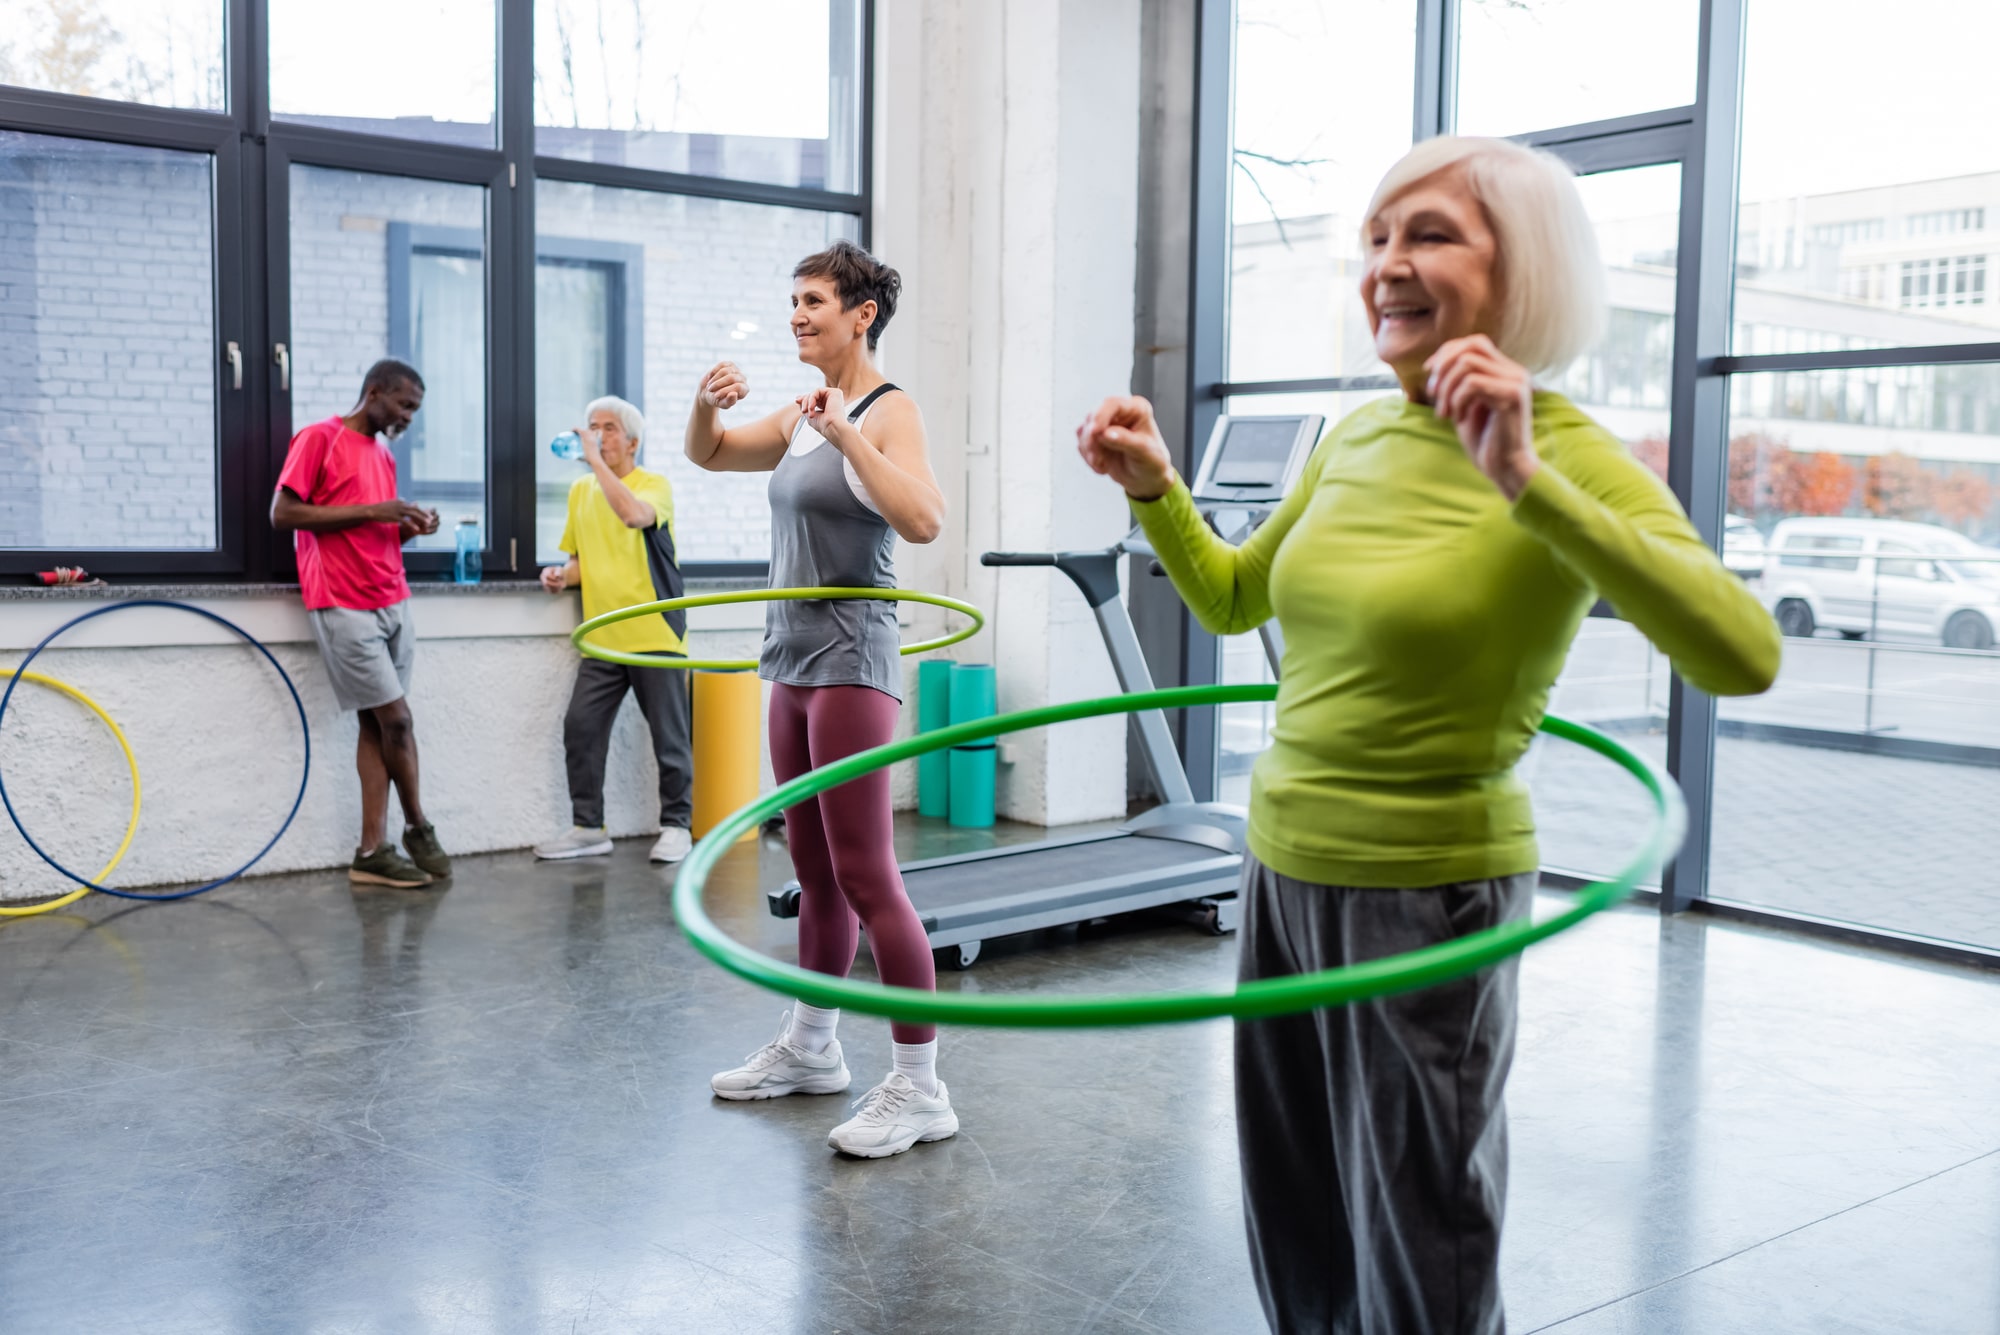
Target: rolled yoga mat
x: 972, y: 766
x: 933, y: 712
x: 728, y: 707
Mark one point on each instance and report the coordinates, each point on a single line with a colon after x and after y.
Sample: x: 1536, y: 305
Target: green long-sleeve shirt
x: 1426, y: 618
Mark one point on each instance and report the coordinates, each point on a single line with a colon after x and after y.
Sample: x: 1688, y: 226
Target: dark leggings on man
x: 843, y: 841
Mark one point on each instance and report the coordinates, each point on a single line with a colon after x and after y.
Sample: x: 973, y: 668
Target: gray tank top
x: 822, y: 536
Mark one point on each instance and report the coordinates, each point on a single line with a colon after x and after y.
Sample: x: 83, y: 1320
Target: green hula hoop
x: 1265, y: 997
x: 578, y: 636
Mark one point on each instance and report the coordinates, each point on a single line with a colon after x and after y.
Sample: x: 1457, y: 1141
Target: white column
x: 1007, y: 141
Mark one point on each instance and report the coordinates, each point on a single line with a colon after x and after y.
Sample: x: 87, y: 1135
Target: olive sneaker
x: 385, y: 866
x: 425, y: 851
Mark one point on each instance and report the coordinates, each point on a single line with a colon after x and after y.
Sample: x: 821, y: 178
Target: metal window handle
x: 284, y: 360
x: 235, y: 355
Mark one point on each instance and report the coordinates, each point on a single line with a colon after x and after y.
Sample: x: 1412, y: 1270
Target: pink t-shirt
x: 360, y: 567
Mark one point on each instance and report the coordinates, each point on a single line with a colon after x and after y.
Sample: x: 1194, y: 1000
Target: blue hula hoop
x: 305, y: 733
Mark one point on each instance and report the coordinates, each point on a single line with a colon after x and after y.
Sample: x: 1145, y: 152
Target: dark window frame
x: 1705, y: 139
x: 254, y: 154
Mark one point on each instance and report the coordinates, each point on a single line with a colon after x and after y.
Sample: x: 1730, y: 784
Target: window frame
x: 254, y: 154
x: 1705, y: 139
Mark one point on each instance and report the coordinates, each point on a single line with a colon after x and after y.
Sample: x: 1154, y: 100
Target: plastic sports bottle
x: 466, y: 566
x: 568, y: 445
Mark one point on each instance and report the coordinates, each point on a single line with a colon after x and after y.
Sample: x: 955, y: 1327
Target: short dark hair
x: 390, y: 373
x: 857, y: 276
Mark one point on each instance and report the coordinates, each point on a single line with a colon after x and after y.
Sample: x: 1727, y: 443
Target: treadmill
x: 1182, y: 852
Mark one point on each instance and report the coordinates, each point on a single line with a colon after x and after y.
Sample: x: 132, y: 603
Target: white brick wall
x: 107, y: 390
x: 709, y: 265
x: 107, y: 393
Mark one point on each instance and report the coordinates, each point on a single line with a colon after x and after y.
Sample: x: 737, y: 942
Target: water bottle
x: 568, y: 445
x: 466, y: 568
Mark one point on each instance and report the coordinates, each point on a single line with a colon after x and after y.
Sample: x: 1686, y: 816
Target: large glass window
x: 164, y: 53
x: 108, y: 350
x: 764, y: 92
x: 418, y: 69
x: 1867, y: 221
x: 1874, y: 508
x: 1538, y: 64
x: 1308, y: 151
x: 713, y: 279
x: 391, y: 266
x: 1614, y: 679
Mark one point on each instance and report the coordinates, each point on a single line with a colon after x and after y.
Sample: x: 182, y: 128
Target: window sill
x: 497, y: 609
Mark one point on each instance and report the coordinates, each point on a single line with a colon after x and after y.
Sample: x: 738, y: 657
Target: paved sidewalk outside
x: 1878, y: 840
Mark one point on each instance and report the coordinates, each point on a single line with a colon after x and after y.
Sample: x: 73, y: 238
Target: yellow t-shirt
x: 621, y: 566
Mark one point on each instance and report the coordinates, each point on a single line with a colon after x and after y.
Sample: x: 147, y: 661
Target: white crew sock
x: 918, y: 1063
x: 812, y: 1027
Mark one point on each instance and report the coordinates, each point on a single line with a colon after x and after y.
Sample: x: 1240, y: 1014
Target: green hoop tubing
x: 588, y: 650
x: 1265, y: 997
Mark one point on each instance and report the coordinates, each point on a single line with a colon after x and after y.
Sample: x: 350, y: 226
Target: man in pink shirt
x: 337, y: 496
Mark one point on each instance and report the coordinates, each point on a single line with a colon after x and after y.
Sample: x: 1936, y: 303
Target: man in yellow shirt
x: 620, y: 537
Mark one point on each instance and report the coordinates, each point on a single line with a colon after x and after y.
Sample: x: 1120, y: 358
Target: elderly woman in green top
x: 1429, y: 572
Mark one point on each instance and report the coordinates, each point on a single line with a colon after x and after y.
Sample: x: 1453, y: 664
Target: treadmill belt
x: 1066, y: 864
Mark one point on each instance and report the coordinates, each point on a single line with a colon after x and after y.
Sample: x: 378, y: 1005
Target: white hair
x: 1548, y: 273
x: 628, y: 416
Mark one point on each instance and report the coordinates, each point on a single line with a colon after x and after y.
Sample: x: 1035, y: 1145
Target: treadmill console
x: 1251, y: 462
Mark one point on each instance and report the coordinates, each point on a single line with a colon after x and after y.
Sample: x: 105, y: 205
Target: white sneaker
x: 580, y: 842
x: 894, y: 1116
x: 782, y: 1067
x: 673, y: 844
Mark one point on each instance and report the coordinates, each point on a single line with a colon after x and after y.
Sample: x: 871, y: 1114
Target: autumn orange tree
x: 1961, y: 498
x: 1896, y: 486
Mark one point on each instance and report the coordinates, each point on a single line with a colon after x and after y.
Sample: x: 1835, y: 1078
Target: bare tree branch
x: 1257, y: 185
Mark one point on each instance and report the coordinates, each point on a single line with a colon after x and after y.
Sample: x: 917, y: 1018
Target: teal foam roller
x: 972, y: 692
x: 933, y: 711
x: 972, y: 774
x: 973, y: 767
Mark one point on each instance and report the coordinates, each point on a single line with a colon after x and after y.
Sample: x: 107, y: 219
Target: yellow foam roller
x: 728, y: 746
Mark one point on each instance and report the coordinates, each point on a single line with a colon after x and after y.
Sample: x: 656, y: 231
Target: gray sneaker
x: 385, y: 866
x: 580, y: 842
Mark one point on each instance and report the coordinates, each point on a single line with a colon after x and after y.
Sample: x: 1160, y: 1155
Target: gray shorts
x: 368, y: 655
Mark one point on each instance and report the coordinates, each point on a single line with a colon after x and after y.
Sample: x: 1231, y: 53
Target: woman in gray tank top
x: 850, y: 473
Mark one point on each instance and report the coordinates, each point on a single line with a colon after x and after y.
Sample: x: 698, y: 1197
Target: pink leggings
x: 843, y: 845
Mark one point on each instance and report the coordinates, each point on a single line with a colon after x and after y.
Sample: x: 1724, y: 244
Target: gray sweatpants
x: 593, y: 708
x: 1373, y: 1137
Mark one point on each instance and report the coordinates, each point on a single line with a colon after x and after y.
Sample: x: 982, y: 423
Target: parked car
x: 1742, y: 546
x: 1881, y: 577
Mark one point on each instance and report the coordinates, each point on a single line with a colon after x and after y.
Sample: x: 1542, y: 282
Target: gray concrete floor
x: 289, y: 1107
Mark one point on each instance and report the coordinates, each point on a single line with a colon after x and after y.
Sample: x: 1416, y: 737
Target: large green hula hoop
x: 1264, y: 997
x: 578, y: 637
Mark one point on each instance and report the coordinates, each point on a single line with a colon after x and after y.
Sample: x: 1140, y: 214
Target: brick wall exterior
x: 107, y: 390
x: 710, y: 265
x: 107, y: 393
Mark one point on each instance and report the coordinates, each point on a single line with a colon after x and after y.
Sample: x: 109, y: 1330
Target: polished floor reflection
x: 289, y: 1106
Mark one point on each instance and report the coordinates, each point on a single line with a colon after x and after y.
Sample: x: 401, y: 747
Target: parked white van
x: 1881, y: 577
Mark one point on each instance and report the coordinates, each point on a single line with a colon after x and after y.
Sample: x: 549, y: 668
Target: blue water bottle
x: 466, y: 568
x: 568, y: 445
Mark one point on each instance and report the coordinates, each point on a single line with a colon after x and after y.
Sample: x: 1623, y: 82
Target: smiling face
x: 612, y: 442
x: 823, y: 331
x: 1431, y: 274
x: 389, y: 408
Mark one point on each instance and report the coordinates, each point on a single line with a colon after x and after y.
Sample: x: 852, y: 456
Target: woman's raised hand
x: 1490, y: 398
x: 724, y: 386
x: 1121, y: 440
x: 822, y: 408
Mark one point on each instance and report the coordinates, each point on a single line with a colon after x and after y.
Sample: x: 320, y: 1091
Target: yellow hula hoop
x: 578, y: 637
x: 131, y: 763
